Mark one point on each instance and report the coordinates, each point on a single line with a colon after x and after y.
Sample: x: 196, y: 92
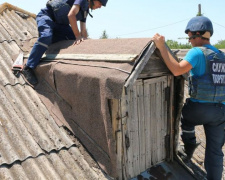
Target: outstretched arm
x: 83, y: 29
x: 177, y: 68
x: 73, y: 22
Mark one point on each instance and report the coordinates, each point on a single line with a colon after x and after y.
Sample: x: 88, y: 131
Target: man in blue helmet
x: 56, y: 22
x: 206, y: 105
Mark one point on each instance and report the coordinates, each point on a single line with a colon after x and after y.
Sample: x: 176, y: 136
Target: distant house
x: 182, y: 52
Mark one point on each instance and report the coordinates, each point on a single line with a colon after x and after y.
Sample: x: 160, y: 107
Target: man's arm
x: 83, y: 30
x: 177, y: 68
x: 73, y: 22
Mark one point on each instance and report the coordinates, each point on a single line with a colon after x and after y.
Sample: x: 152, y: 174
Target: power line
x: 153, y: 28
x: 219, y: 24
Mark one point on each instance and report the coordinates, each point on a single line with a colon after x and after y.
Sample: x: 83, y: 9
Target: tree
x: 104, y: 35
x: 220, y: 44
x: 175, y: 45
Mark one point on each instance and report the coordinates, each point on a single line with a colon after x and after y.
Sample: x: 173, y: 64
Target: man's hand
x: 78, y: 40
x: 159, y: 41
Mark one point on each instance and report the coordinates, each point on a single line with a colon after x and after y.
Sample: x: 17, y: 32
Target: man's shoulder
x: 195, y: 51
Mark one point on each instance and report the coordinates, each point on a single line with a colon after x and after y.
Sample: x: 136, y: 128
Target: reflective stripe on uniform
x: 188, y: 131
x: 42, y: 44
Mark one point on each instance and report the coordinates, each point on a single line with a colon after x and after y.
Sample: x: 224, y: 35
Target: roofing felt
x: 32, y: 145
x: 84, y: 88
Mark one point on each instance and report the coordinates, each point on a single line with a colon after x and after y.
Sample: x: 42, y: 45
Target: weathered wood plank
x: 141, y: 125
x: 117, y: 134
x: 114, y: 104
x: 147, y: 119
x: 155, y: 65
x: 135, y: 145
x: 91, y: 57
x: 164, y: 116
x: 123, y: 108
x: 129, y: 133
x: 158, y: 120
x: 170, y: 114
x: 153, y: 124
x: 140, y: 65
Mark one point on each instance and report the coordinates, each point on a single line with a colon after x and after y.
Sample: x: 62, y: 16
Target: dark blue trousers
x: 49, y: 32
x: 212, y: 117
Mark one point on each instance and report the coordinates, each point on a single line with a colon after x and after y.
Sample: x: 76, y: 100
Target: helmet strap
x: 91, y: 6
x: 194, y: 36
x: 92, y: 3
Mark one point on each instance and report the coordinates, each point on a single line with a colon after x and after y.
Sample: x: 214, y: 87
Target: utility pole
x: 199, y: 10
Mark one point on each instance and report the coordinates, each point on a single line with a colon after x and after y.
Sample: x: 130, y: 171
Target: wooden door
x: 145, y: 127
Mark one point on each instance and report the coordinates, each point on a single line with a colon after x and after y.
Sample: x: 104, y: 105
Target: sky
x: 144, y: 18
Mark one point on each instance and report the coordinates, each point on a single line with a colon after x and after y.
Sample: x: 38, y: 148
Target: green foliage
x: 220, y: 44
x: 104, y: 35
x: 175, y: 45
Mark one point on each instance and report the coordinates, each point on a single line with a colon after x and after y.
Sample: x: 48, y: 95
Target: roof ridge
x: 15, y: 8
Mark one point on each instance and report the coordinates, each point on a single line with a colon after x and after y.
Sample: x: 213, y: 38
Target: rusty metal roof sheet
x: 32, y: 145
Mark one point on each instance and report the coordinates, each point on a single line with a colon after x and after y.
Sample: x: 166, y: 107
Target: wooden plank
x: 140, y: 65
x: 114, y: 104
x: 123, y: 108
x: 155, y: 65
x: 141, y: 125
x: 147, y: 107
x: 117, y: 134
x: 170, y: 114
x: 164, y: 119
x: 91, y: 57
x: 134, y: 131
x: 153, y: 125
x: 129, y: 133
x: 155, y: 80
x: 158, y: 120
x: 119, y: 154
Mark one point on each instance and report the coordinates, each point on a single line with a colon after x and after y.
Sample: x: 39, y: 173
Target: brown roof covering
x: 76, y: 92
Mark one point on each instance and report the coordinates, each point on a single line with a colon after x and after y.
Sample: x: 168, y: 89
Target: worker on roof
x: 56, y: 22
x: 206, y: 105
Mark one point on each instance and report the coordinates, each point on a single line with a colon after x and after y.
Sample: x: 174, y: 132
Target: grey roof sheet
x: 32, y: 145
x: 65, y: 164
x: 182, y: 52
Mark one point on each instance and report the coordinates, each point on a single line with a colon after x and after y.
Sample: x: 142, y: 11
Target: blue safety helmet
x: 104, y: 2
x: 199, y: 23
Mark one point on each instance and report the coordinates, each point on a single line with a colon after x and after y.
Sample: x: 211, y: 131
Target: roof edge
x: 12, y: 7
x: 144, y: 58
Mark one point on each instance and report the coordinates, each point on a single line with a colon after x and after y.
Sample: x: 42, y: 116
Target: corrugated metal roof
x: 65, y: 164
x: 32, y: 145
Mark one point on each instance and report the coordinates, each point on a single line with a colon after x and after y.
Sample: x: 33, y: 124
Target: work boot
x: 186, y: 152
x: 29, y: 76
